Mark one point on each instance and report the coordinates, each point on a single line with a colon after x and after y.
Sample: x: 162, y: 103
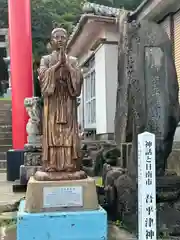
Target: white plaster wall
x: 106, y: 80
x: 100, y: 65
x: 80, y: 110
x: 106, y: 86
x: 111, y: 60
x: 111, y: 32
x: 86, y: 52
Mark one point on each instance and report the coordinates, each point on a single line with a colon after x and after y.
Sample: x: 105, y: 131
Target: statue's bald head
x: 58, y: 38
x: 58, y: 30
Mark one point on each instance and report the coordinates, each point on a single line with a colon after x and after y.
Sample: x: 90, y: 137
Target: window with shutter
x: 177, y: 44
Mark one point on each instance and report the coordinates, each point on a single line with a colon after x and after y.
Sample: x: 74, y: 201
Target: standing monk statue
x: 60, y: 81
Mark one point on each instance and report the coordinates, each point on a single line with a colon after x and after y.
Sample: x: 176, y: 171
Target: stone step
x: 5, y: 148
x: 5, y: 112
x: 5, y: 100
x: 5, y: 134
x: 5, y: 141
x: 5, y: 121
x: 3, y: 156
x: 176, y: 145
x: 3, y: 164
x: 87, y: 161
x: 5, y: 103
x: 5, y: 106
x: 5, y: 128
x: 5, y: 116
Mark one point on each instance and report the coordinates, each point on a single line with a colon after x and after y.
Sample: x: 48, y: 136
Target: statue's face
x: 49, y: 48
x: 58, y: 39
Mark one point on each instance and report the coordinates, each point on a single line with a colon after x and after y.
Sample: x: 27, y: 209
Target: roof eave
x: 155, y: 10
x: 83, y: 20
x: 139, y: 9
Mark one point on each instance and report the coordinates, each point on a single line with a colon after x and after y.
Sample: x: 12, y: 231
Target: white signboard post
x: 146, y: 187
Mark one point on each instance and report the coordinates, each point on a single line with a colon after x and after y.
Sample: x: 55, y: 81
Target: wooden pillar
x: 21, y: 66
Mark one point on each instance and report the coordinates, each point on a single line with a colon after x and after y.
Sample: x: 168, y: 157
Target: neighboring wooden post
x: 19, y: 12
x: 146, y: 186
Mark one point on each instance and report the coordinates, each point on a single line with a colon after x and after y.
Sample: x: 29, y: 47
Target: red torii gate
x: 21, y: 66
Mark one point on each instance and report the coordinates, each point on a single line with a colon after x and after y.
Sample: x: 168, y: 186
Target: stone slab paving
x: 116, y: 233
x: 7, y: 197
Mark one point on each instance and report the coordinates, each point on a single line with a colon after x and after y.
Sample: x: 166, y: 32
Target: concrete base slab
x: 18, y: 187
x: 81, y: 225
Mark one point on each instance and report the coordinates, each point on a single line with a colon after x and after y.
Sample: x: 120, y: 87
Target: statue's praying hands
x: 61, y: 81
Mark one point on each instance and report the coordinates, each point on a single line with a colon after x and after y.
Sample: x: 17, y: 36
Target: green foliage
x: 48, y: 13
x: 127, y: 4
x: 3, y: 13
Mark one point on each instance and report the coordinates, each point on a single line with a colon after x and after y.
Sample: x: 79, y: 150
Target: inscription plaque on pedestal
x: 52, y: 196
x: 63, y: 196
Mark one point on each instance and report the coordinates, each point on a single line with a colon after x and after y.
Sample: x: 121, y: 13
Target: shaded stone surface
x: 121, y: 199
x: 173, y: 162
x: 117, y: 233
x: 8, y: 199
x: 147, y: 100
x: 95, y: 153
x: 147, y: 93
x: 33, y: 158
x: 33, y: 147
x: 27, y: 171
x: 177, y: 133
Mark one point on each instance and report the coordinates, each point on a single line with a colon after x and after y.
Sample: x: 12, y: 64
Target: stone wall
x: 4, y: 43
x: 173, y: 162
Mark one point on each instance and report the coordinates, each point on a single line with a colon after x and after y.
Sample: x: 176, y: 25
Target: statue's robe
x: 61, y: 143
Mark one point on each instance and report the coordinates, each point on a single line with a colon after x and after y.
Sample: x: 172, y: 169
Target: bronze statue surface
x: 61, y: 81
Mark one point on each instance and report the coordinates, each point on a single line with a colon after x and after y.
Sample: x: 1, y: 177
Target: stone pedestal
x: 71, y: 195
x: 76, y: 225
x: 32, y: 158
x: 173, y: 162
x: 33, y: 147
x: 26, y: 172
x: 32, y: 163
x: 33, y: 127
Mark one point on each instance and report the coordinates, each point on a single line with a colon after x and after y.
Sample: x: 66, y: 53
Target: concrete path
x: 116, y: 233
x: 7, y: 197
x: 120, y: 234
